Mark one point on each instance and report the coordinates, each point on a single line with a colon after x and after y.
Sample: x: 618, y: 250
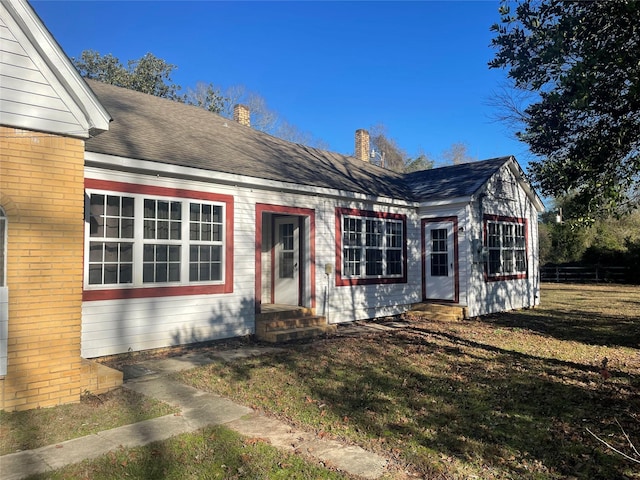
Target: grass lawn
x: 45, y: 426
x: 505, y: 396
x: 211, y: 453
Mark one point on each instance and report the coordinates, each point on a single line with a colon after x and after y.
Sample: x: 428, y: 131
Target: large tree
x: 148, y: 74
x: 581, y: 59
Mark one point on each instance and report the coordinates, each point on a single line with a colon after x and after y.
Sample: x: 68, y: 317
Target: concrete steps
x: 291, y: 324
x: 440, y: 311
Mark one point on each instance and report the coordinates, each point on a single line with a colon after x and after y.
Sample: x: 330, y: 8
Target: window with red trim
x: 138, y: 241
x: 372, y: 247
x: 506, y: 241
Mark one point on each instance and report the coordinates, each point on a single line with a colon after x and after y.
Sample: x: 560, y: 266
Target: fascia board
x: 117, y: 163
x: 525, y: 185
x: 446, y: 202
x: 54, y: 64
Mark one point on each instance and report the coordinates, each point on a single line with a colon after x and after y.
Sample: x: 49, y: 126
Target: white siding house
x: 196, y: 224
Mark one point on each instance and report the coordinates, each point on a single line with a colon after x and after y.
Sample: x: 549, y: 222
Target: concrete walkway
x: 198, y: 409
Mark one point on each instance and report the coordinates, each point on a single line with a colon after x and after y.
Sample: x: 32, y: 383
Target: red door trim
x: 456, y: 265
x: 262, y: 208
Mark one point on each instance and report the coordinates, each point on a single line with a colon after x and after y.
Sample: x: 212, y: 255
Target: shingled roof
x: 150, y: 128
x: 453, y: 181
x: 155, y: 129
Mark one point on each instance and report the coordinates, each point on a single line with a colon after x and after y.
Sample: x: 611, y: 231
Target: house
x: 175, y: 225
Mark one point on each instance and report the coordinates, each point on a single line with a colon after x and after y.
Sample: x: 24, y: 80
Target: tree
x: 457, y: 154
x: 206, y: 96
x: 391, y: 156
x: 421, y: 162
x: 582, y: 62
x: 149, y: 74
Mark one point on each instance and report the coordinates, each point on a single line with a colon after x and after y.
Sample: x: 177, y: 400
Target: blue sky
x: 329, y: 68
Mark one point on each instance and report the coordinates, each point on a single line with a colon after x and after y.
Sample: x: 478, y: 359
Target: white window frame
x: 139, y: 241
x: 373, y: 235
x: 506, y: 242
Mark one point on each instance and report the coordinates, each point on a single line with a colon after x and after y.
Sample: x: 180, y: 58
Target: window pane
x: 494, y: 261
x: 95, y: 274
x: 373, y: 262
x: 126, y: 274
x: 111, y: 273
x: 127, y: 228
x: 95, y: 251
x: 394, y: 262
x: 127, y: 207
x: 111, y: 252
x: 439, y: 265
x: 149, y: 229
x: 96, y: 205
x: 113, y: 206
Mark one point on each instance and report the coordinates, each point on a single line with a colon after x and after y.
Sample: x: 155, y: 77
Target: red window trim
x: 501, y: 218
x: 346, y: 281
x: 168, y: 291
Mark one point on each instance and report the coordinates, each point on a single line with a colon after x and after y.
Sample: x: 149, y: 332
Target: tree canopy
x: 148, y: 74
x: 582, y: 62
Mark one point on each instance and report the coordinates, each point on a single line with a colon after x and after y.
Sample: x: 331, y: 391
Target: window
x: 439, y: 253
x: 206, y: 229
x: 372, y: 247
x: 146, y: 239
x: 507, y: 244
x: 111, y: 220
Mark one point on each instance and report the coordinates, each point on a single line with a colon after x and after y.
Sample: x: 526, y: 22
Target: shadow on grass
x: 447, y: 405
x: 579, y: 326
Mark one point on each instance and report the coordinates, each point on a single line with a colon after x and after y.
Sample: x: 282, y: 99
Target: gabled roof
x: 40, y: 88
x: 164, y: 131
x: 464, y: 181
x: 167, y: 132
x: 453, y: 181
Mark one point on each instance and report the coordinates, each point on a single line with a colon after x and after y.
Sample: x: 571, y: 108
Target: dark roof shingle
x: 159, y: 130
x: 150, y: 128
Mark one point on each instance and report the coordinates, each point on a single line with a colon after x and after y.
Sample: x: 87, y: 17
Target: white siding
x: 503, y: 196
x: 31, y: 97
x: 117, y: 326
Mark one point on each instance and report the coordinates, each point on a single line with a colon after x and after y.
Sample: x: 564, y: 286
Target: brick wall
x: 41, y: 191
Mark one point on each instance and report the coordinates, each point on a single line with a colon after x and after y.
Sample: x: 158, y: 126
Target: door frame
x: 307, y: 228
x: 456, y: 267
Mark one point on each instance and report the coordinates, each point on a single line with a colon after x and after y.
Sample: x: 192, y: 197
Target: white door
x: 440, y: 262
x: 287, y: 261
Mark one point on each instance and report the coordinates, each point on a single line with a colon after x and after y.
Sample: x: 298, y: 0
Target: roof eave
x: 95, y: 118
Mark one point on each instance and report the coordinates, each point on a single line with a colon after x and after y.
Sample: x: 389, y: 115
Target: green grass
x: 45, y: 426
x: 507, y: 396
x: 211, y: 453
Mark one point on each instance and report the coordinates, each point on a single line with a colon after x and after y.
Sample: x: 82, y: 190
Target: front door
x: 287, y: 260
x: 440, y: 275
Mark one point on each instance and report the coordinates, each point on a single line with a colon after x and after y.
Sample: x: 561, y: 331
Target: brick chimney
x: 362, y: 145
x: 242, y: 115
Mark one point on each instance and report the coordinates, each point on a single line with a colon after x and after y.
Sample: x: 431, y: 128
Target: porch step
x: 440, y: 311
x: 290, y: 334
x: 291, y: 324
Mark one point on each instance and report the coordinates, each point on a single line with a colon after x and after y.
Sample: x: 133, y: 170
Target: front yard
x: 509, y: 396
x: 506, y: 396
